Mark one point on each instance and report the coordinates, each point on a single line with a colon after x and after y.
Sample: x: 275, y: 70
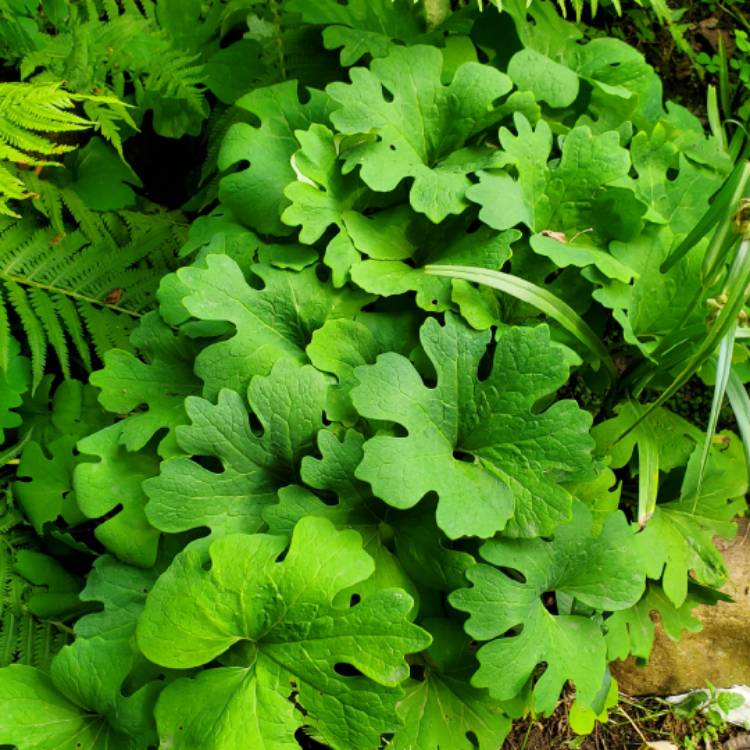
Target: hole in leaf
x: 256, y: 426
x: 550, y: 602
x: 417, y: 672
x: 474, y: 226
x: 254, y: 281
x: 387, y: 95
x: 209, y: 463
x: 484, y: 370
x: 472, y: 738
x: 673, y: 174
x: 303, y: 94
x: 346, y: 670
x: 513, y: 574
x: 462, y: 456
x: 306, y: 742
x: 400, y: 431
x: 354, y: 600
x: 294, y: 700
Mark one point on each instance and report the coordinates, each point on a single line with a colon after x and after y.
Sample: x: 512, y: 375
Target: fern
x: 24, y: 638
x: 121, y: 47
x: 65, y: 290
x: 34, y: 117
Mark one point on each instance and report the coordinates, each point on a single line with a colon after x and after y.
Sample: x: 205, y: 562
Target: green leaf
x: 423, y: 130
x: 272, y: 323
x: 506, y: 202
x: 362, y: 27
x: 161, y: 384
x: 37, y: 717
x: 536, y: 296
x: 232, y: 71
x: 549, y: 196
x: 679, y: 537
x: 675, y: 437
x: 602, y: 572
x: 113, y: 485
x: 44, y: 478
x: 186, y: 495
x: 102, y: 179
x: 342, y: 345
x: 321, y: 195
x: 631, y: 631
x: 55, y: 590
x: 281, y: 637
x: 15, y: 379
x: 431, y: 247
x: 356, y: 509
x: 568, y: 253
x: 548, y: 80
x: 255, y: 193
x: 80, y: 703
x: 479, y: 445
x: 442, y: 709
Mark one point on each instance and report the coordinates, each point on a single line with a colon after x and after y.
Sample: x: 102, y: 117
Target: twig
x: 633, y: 724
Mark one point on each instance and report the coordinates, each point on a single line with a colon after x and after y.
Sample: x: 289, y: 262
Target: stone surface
x: 719, y: 654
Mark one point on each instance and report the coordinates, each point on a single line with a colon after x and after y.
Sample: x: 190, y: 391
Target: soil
x: 703, y: 24
x: 632, y: 724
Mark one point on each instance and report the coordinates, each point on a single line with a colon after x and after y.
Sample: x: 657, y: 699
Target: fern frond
x: 48, y: 317
x: 33, y: 116
x: 122, y: 47
x: 65, y: 289
x: 33, y: 329
x: 11, y: 188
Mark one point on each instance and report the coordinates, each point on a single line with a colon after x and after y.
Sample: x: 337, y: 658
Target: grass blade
x: 714, y: 117
x: 723, y: 370
x: 740, y: 403
x: 648, y: 478
x: 536, y: 296
x: 736, y: 292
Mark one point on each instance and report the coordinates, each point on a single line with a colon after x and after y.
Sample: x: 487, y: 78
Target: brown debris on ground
x: 632, y: 725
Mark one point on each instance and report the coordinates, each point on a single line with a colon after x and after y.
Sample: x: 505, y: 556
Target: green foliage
x: 36, y: 593
x: 60, y: 286
x: 321, y: 483
x: 34, y: 120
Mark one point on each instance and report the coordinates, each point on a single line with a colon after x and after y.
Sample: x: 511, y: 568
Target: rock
x: 719, y: 654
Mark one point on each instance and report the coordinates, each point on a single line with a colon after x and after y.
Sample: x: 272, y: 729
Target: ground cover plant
x: 363, y: 438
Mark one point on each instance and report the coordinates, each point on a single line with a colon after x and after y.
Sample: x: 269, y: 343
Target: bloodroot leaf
x: 112, y: 486
x: 442, y: 709
x: 186, y: 495
x: 480, y: 445
x: 80, y: 704
x: 291, y: 657
x: 272, y: 323
x: 601, y: 572
x: 255, y: 193
x: 422, y: 130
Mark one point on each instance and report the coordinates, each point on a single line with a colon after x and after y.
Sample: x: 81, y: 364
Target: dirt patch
x: 632, y: 723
